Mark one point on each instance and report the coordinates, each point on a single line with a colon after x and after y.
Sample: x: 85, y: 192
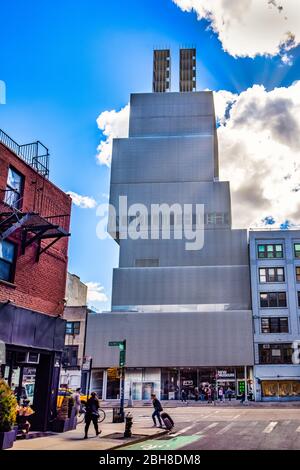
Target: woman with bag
x: 92, y: 414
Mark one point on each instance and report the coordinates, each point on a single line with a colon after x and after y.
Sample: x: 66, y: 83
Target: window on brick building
x: 271, y: 275
x: 272, y: 299
x: 14, y: 188
x: 274, y: 325
x: 70, y: 356
x: 270, y: 250
x: 275, y: 353
x: 72, y: 327
x: 7, y: 258
x: 297, y: 250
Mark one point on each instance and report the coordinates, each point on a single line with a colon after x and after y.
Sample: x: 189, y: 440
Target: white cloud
x: 96, y: 292
x: 259, y: 149
x: 247, y: 28
x: 85, y: 202
x: 113, y: 124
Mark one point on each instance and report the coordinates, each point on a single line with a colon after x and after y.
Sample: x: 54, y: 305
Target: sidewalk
x: 178, y: 403
x: 111, y: 437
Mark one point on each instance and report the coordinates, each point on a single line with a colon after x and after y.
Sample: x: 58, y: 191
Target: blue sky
x: 65, y: 62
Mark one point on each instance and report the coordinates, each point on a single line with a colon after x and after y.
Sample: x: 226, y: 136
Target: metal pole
x: 130, y: 402
x: 122, y: 391
x: 246, y: 387
x: 89, y: 382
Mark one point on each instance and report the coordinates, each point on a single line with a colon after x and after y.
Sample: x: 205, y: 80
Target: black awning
x: 23, y: 327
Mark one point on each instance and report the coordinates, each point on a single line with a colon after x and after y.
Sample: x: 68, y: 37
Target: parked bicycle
x: 81, y: 415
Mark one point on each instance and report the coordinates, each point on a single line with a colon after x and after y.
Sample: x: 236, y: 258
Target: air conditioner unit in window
x: 33, y: 358
x: 28, y: 357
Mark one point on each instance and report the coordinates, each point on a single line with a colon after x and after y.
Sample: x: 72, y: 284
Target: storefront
x: 33, y: 344
x: 283, y: 390
x: 167, y: 383
x: 229, y: 378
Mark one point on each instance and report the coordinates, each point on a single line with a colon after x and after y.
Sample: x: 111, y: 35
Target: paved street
x: 196, y: 427
x: 230, y: 428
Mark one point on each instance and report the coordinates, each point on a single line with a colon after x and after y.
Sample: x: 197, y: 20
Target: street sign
x: 86, y: 364
x: 120, y: 344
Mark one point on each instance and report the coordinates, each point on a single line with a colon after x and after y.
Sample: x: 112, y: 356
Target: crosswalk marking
x: 223, y: 430
x: 236, y: 416
x: 298, y: 429
x: 210, y: 426
x: 182, y: 431
x: 248, y: 428
x: 270, y: 427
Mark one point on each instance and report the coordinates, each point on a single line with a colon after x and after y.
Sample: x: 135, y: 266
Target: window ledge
x: 8, y: 284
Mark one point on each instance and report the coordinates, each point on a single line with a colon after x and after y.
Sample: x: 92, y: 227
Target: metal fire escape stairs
x: 42, y: 221
x: 33, y: 227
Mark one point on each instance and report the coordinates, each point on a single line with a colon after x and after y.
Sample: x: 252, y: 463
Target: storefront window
x: 113, y: 383
x: 170, y: 384
x: 269, y: 388
x: 97, y: 382
x: 281, y: 389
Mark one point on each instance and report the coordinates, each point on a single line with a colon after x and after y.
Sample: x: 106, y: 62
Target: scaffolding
x: 161, y: 70
x: 187, y: 72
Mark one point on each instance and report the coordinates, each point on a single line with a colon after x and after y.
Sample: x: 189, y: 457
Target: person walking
x: 183, y: 396
x: 92, y: 414
x: 77, y: 401
x: 157, y: 410
x: 229, y: 393
x: 221, y: 394
x: 209, y: 394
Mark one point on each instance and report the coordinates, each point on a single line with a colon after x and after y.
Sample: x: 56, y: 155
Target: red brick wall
x: 39, y: 285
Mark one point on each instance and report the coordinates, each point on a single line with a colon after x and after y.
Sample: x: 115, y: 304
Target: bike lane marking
x: 172, y: 444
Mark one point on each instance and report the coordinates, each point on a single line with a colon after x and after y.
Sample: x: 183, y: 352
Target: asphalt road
x: 229, y: 429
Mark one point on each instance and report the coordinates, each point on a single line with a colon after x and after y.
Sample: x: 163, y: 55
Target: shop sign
x: 188, y: 383
x: 86, y: 365
x: 113, y: 373
x: 224, y: 374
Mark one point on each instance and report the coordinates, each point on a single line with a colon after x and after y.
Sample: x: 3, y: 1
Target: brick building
x: 34, y: 230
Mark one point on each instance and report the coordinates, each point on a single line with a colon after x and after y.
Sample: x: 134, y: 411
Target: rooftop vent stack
x: 187, y: 73
x: 161, y: 70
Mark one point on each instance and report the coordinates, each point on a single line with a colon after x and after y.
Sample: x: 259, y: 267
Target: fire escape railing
x: 34, y: 154
x: 45, y: 207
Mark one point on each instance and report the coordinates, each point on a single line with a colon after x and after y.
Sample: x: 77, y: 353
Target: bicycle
x: 81, y: 415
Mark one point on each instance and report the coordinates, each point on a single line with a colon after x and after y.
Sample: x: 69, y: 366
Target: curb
x: 141, y: 439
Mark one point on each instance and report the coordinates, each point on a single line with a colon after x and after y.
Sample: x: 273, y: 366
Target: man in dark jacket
x: 157, y: 410
x: 92, y: 414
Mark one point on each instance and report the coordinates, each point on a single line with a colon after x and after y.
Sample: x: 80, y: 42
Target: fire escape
x: 43, y: 221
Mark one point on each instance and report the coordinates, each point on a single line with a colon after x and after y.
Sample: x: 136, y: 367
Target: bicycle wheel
x: 102, y: 415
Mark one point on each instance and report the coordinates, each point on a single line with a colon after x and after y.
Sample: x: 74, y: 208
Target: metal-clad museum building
x: 185, y: 314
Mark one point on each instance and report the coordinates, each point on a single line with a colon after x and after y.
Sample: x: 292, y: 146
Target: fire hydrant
x: 128, y: 425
